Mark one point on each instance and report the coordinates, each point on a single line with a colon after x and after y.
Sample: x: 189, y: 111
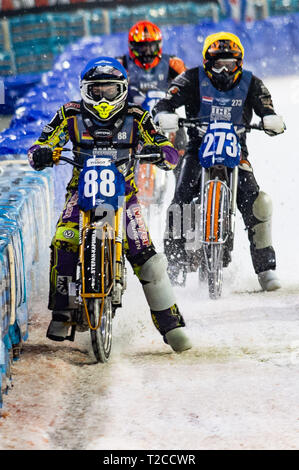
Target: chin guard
x: 104, y: 110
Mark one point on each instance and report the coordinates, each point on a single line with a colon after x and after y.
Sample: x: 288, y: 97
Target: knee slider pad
x: 156, y: 283
x: 262, y: 207
x: 262, y: 210
x: 154, y: 268
x: 66, y: 237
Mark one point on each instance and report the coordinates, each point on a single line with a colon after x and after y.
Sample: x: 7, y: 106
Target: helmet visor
x: 146, y: 49
x: 110, y: 91
x: 227, y: 65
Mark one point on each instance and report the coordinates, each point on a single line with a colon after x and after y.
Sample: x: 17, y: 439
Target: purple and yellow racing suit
x: 136, y: 128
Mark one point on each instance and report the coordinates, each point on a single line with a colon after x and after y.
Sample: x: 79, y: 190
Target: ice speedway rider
x: 104, y: 117
x: 150, y: 70
x: 222, y: 90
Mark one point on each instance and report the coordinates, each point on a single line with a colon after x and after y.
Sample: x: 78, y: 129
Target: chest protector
x: 84, y: 144
x: 152, y: 79
x: 216, y: 105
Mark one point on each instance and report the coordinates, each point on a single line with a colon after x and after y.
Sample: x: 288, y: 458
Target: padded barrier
x: 25, y: 229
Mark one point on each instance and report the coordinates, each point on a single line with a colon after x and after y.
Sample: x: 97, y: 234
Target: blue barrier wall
x: 25, y: 228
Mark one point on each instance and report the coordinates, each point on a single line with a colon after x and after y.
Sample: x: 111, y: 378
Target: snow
x: 236, y: 389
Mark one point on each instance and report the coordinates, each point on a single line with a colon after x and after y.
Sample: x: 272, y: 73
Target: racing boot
x: 160, y: 298
x: 59, y: 325
x: 269, y: 280
x: 170, y: 324
x: 178, y: 340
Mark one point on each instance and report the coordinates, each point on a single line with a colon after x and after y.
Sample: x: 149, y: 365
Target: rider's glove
x: 202, y: 130
x: 42, y: 157
x: 151, y: 149
x: 273, y: 124
x: 168, y: 122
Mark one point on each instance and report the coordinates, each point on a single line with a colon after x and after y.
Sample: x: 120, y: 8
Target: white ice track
x: 236, y: 389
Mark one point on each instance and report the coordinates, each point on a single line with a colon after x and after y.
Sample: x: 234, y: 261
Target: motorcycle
x: 101, y: 272
x: 214, y: 209
x: 151, y: 181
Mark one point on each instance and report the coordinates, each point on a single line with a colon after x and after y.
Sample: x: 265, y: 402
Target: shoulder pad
x: 72, y: 107
x: 177, y: 64
x: 136, y: 110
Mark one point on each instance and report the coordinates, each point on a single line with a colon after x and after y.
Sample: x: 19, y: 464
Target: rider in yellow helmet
x: 221, y: 90
x: 223, y: 59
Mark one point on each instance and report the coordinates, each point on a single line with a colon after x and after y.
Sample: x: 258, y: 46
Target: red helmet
x: 145, y: 44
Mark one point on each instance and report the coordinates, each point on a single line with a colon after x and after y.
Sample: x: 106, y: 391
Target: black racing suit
x: 185, y: 91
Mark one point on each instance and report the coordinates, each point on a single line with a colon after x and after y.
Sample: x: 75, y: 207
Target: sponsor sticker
x: 68, y: 234
x: 98, y: 162
x: 103, y: 153
x: 72, y: 104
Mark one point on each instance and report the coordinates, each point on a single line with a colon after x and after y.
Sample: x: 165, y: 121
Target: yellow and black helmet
x: 223, y: 59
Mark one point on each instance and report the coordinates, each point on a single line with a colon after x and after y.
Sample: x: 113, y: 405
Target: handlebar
x: 193, y: 123
x: 57, y: 157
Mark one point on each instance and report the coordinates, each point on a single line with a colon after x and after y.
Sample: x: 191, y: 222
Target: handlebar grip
x: 57, y: 155
x: 147, y: 156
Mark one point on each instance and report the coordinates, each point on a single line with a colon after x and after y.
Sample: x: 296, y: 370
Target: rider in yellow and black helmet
x: 223, y: 59
x: 219, y: 89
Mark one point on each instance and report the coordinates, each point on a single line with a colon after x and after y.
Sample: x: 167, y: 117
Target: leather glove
x: 168, y: 122
x: 151, y: 149
x: 42, y: 158
x: 273, y: 124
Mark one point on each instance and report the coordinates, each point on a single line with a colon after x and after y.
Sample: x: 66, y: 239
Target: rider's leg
x: 256, y: 209
x: 180, y: 143
x: 150, y: 268
x: 178, y: 220
x: 64, y: 257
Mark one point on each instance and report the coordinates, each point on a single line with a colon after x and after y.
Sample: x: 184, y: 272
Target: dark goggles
x: 109, y: 91
x: 146, y: 48
x: 229, y: 65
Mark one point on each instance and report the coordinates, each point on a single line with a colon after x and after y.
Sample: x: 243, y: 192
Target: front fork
x: 119, y: 281
x: 215, y: 230
x: 116, y: 262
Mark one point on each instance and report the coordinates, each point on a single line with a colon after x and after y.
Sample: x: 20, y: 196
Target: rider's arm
x: 259, y: 98
x: 54, y: 134
x: 176, y: 67
x: 183, y: 91
x: 261, y: 102
x: 148, y: 134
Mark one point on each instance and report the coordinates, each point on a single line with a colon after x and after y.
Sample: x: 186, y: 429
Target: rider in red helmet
x: 145, y: 45
x: 150, y: 72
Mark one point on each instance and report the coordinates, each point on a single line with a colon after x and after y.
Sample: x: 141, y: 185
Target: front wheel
x: 101, y: 338
x: 202, y: 267
x: 215, y: 274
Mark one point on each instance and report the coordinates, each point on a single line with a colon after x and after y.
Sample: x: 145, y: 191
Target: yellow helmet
x: 223, y: 59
